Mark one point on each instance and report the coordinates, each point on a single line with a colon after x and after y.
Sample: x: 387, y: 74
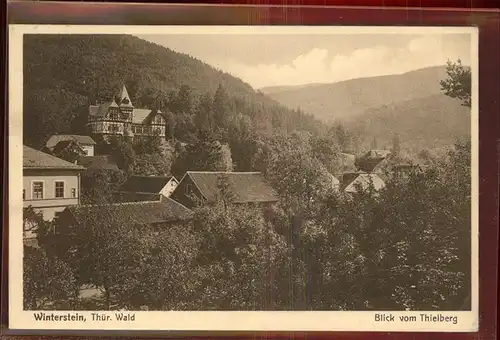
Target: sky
x: 283, y: 60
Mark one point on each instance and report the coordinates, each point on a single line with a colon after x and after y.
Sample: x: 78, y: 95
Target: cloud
x: 320, y: 65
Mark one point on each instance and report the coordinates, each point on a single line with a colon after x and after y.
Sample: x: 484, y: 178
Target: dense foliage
x: 406, y: 246
x: 458, y: 84
x: 47, y: 279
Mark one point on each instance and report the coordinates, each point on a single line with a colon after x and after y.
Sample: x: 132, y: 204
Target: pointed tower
x: 127, y: 110
x: 125, y: 98
x: 125, y: 104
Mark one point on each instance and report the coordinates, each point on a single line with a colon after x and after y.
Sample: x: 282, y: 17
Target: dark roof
x: 377, y: 154
x: 34, y: 159
x: 64, y: 144
x: 146, y: 184
x: 348, y: 178
x: 244, y: 186
x: 137, y: 212
x: 369, y: 164
x: 372, y: 160
x: 105, y: 162
x: 76, y: 138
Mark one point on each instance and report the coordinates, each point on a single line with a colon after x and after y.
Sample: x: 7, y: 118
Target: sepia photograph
x: 262, y: 170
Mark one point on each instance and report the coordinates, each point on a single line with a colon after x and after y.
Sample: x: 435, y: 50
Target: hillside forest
x: 406, y: 247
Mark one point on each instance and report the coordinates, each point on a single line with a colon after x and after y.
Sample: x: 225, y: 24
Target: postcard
x: 243, y: 178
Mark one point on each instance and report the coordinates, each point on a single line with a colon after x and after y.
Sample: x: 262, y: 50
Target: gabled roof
x: 113, y: 104
x: 141, y: 213
x: 364, y: 181
x: 83, y: 140
x: 369, y: 164
x: 34, y: 159
x: 62, y: 145
x: 104, y: 162
x: 125, y: 98
x: 140, y: 115
x: 100, y: 110
x: 245, y: 187
x: 146, y: 184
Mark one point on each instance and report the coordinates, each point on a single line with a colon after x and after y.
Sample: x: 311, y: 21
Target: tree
x: 46, y: 280
x: 342, y: 135
x: 374, y: 144
x: 167, y: 281
x: 396, y: 146
x: 327, y: 152
x: 204, y: 119
x: 242, y: 143
x: 148, y: 145
x: 99, y: 185
x: 206, y: 155
x: 151, y: 165
x: 107, y: 250
x: 458, y: 84
x: 221, y: 112
x: 239, y: 260
x: 170, y: 128
x: 183, y: 102
x: 123, y: 152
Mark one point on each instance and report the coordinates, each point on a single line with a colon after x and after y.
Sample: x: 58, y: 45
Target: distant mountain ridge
x: 411, y: 105
x: 351, y: 97
x: 429, y: 122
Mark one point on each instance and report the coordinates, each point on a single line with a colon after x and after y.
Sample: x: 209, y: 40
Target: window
x: 24, y: 194
x: 137, y: 129
x: 189, y: 189
x: 113, y: 114
x: 158, y: 120
x: 114, y: 128
x: 157, y: 132
x: 59, y: 189
x: 73, y: 192
x: 37, y: 190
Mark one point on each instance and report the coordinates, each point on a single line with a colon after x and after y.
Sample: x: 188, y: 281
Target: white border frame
x: 218, y: 321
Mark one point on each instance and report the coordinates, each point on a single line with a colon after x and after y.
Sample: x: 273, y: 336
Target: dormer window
x: 158, y: 120
x: 125, y: 101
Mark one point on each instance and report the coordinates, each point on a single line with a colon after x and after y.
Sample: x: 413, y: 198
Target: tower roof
x: 125, y: 98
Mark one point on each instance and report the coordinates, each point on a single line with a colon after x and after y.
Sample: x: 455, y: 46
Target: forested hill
x: 352, y: 97
x: 64, y: 73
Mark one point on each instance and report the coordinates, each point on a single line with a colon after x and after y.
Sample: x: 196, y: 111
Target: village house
x: 355, y: 181
x: 50, y: 184
x: 147, y: 188
x: 57, y: 142
x: 122, y: 118
x: 208, y: 187
x: 155, y: 214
